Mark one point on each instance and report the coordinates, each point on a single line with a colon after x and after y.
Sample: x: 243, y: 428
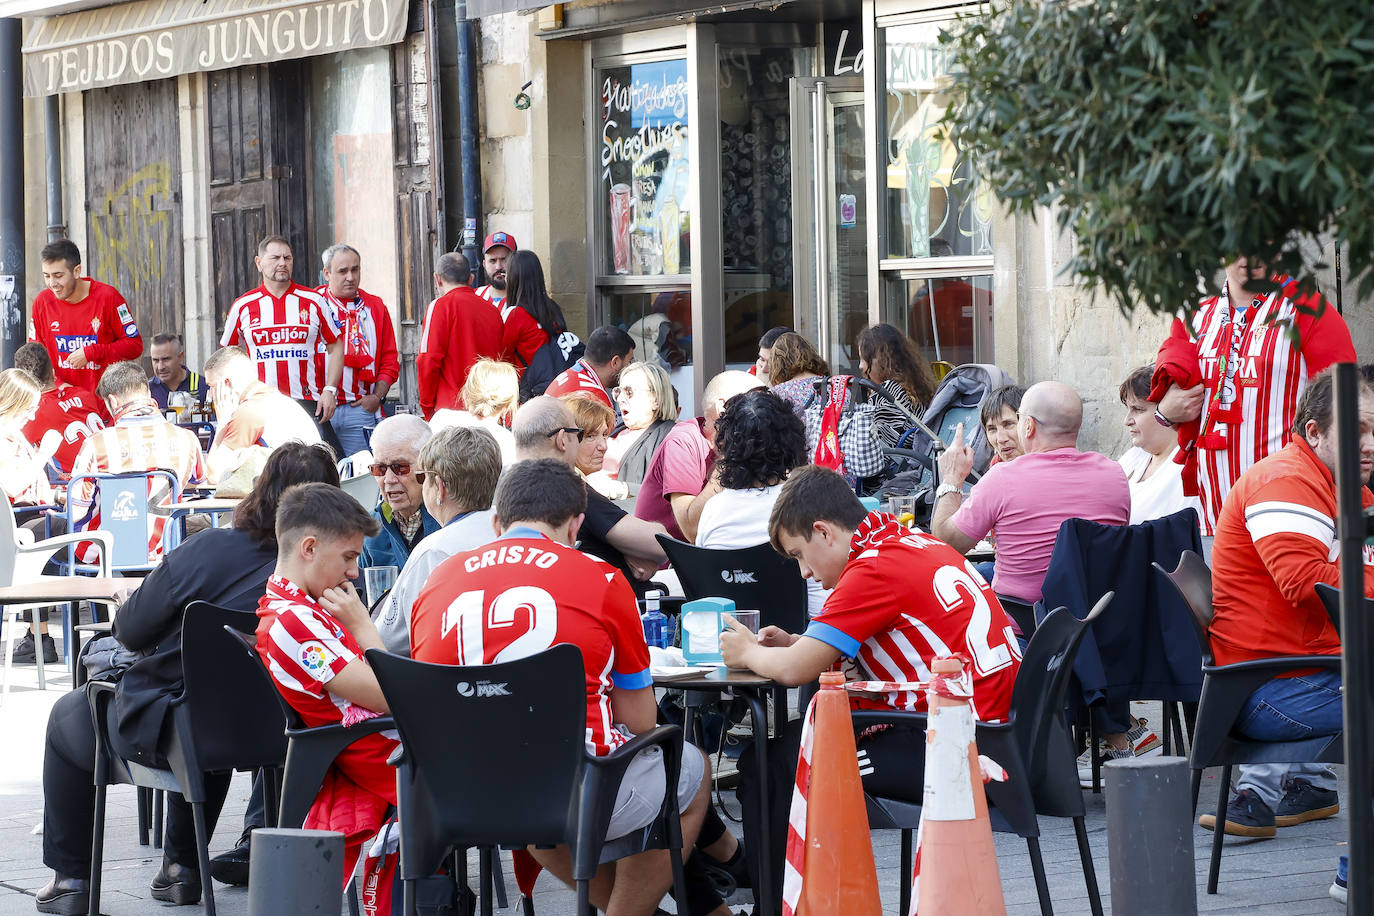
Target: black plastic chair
x: 1331, y: 600
x: 753, y: 577
x: 310, y: 751
x: 224, y: 719
x: 1225, y: 688
x: 1033, y: 747
x: 530, y: 783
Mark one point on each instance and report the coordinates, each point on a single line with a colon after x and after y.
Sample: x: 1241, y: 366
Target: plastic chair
x: 753, y: 577
x: 125, y: 501
x: 21, y: 562
x: 1331, y: 600
x: 532, y: 784
x: 1033, y: 746
x: 1225, y: 688
x: 225, y: 719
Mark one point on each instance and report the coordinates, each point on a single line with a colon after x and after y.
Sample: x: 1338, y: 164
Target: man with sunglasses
x: 396, y: 444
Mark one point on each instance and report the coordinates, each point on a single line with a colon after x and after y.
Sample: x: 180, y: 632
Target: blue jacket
x: 388, y: 547
x: 1143, y: 646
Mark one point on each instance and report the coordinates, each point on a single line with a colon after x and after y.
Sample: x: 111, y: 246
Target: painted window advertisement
x: 645, y: 169
x: 936, y: 205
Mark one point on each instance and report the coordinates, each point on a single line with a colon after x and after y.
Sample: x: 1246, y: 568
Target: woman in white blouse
x: 1156, y: 481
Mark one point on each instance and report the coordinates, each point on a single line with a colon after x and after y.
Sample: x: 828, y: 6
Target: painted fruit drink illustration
x: 621, y: 213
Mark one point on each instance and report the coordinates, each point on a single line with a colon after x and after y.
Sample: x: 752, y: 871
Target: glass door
x: 830, y: 216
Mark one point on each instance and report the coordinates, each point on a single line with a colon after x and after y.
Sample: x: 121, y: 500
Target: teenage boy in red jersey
x: 901, y: 600
x: 530, y: 590
x: 312, y: 633
x: 69, y: 411
x: 85, y: 325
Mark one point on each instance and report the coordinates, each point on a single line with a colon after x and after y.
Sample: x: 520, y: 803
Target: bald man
x: 1027, y: 499
x: 544, y: 428
x: 672, y: 492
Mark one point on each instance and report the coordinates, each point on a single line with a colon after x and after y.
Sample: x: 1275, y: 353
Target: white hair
x: 404, y: 429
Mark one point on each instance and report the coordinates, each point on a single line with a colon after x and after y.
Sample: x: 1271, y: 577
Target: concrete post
x: 12, y: 242
x: 295, y: 873
x: 1150, y: 837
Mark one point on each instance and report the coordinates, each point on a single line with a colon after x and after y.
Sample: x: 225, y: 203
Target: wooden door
x: 133, y: 200
x: 259, y: 134
x: 417, y: 172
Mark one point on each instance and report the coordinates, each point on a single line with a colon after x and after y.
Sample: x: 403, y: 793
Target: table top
x: 716, y: 679
x: 57, y: 589
x: 214, y: 504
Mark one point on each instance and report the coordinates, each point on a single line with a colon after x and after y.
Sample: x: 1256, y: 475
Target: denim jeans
x: 1290, y: 709
x: 354, y: 426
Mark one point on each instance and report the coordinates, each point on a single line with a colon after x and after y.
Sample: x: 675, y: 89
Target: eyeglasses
x: 399, y: 468
x: 622, y: 391
x: 570, y: 430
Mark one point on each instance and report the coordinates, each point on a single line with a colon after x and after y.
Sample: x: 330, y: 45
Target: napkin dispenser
x: 701, y: 626
x: 870, y: 503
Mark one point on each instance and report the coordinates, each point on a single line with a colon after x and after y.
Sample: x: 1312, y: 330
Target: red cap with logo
x: 499, y: 239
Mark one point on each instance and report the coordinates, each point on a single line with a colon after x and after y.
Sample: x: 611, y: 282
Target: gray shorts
x: 641, y: 791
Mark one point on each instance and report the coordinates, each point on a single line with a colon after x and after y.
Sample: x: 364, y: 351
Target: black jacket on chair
x: 223, y: 566
x: 1142, y: 647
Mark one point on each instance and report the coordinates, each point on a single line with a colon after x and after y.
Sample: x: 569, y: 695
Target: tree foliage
x: 1175, y: 135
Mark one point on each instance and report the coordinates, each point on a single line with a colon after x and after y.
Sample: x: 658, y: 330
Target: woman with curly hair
x: 888, y: 358
x: 793, y: 367
x: 759, y: 440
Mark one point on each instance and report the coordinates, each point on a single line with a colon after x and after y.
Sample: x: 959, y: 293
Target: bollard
x: 295, y: 872
x: 1150, y: 836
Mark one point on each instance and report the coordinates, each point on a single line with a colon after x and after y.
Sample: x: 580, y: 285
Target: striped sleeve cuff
x: 833, y: 637
x: 1268, y: 518
x: 636, y: 680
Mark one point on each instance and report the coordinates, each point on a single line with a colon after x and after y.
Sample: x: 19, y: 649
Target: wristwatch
x: 1163, y: 420
x: 947, y: 488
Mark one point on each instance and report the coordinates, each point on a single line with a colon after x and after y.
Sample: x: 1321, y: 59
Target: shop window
x: 948, y: 318
x: 935, y: 204
x: 642, y: 201
x: 660, y: 321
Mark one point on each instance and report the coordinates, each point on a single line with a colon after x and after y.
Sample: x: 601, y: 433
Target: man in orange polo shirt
x: 1276, y: 539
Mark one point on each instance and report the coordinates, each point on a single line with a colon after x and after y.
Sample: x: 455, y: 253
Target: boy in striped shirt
x: 900, y: 600
x: 139, y: 439
x: 312, y: 633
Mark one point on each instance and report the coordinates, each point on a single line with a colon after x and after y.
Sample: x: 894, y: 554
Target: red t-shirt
x: 579, y: 378
x: 71, y: 411
x: 521, y: 336
x: 682, y: 464
x: 281, y: 335
x: 100, y: 326
x: 524, y: 593
x: 906, y: 598
x: 460, y: 328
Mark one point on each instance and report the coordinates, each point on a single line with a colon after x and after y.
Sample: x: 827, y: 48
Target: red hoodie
x: 460, y: 328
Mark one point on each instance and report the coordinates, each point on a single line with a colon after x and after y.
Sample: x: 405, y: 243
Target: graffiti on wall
x: 131, y: 229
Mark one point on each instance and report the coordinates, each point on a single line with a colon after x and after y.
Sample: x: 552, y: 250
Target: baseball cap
x: 499, y: 238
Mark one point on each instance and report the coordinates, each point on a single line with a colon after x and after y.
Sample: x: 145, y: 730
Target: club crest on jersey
x: 95, y: 325
x: 305, y: 315
x: 313, y: 657
x: 482, y: 689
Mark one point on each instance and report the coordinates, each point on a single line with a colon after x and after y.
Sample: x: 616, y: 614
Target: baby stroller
x: 956, y: 400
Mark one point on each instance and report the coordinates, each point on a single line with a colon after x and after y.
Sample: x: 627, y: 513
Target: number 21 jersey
x: 522, y: 594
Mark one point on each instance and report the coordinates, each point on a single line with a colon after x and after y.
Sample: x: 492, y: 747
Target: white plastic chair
x: 21, y: 563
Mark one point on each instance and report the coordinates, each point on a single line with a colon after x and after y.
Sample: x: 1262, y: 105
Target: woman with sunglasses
x: 396, y: 444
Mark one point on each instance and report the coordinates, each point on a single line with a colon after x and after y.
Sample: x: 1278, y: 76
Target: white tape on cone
x: 948, y: 785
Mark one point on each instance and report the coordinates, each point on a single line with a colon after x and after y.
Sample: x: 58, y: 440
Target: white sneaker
x: 1145, y: 742
x: 1107, y: 752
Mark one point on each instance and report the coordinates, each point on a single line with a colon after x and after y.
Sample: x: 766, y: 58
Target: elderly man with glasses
x: 396, y: 444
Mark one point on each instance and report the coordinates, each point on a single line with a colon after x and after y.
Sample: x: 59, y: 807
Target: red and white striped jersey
x: 140, y: 440
x: 281, y: 335
x: 304, y: 647
x: 378, y: 343
x: 579, y: 378
x: 524, y: 593
x: 905, y: 599
x: 490, y: 293
x: 1270, y: 374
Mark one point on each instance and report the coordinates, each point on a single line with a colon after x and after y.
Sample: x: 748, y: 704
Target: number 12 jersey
x: 524, y: 593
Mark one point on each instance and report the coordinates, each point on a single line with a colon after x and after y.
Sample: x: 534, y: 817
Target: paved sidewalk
x: 1285, y: 876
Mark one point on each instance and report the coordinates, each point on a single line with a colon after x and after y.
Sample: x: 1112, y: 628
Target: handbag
x: 841, y: 435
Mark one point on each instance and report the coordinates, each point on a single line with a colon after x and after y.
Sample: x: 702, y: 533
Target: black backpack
x: 559, y: 352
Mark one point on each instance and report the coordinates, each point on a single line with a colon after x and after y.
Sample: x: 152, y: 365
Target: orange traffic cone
x: 955, y: 857
x: 838, y: 871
